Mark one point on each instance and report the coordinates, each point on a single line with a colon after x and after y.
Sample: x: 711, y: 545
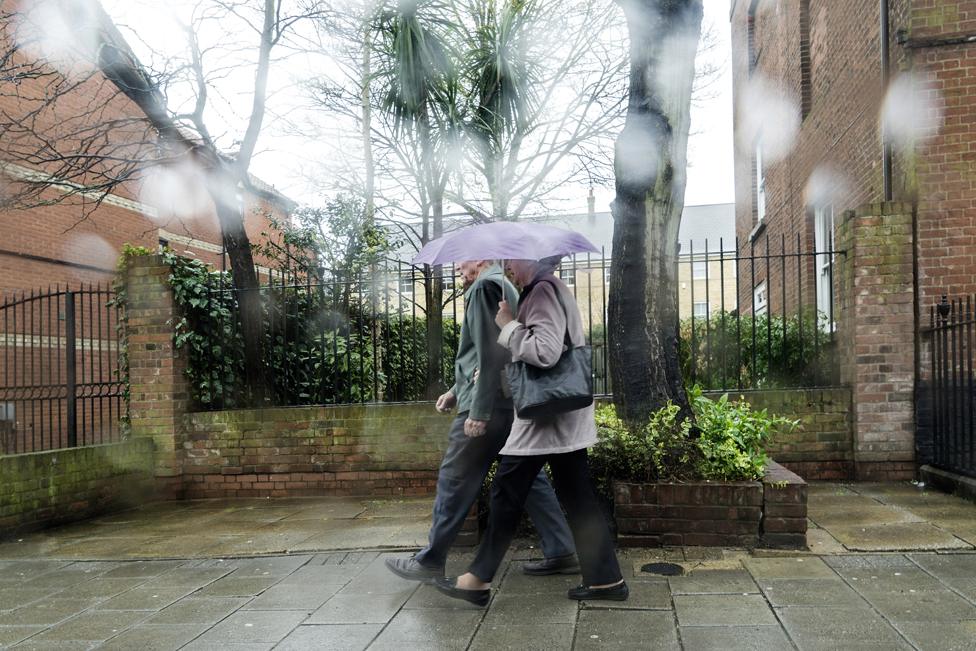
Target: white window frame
x: 760, y: 184
x: 699, y: 265
x: 823, y: 236
x: 448, y: 277
x: 700, y: 314
x: 606, y: 275
x: 405, y: 284
x: 568, y: 275
x: 760, y: 299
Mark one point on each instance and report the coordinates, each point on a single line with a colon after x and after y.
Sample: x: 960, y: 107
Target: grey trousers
x: 459, y: 480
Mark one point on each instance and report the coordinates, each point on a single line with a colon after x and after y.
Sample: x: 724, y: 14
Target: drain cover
x: 665, y: 569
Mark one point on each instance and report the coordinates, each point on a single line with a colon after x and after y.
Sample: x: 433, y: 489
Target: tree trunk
x: 251, y: 314
x: 649, y: 166
x: 369, y: 209
x: 434, y: 299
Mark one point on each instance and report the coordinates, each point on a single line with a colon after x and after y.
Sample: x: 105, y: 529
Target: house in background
x: 878, y: 181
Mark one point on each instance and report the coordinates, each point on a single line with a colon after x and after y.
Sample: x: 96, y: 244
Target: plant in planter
x: 696, y: 480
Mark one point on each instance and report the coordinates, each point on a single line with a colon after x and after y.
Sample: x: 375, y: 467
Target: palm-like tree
x: 416, y: 70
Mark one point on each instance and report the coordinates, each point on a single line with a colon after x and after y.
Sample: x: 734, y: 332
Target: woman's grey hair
x: 549, y: 264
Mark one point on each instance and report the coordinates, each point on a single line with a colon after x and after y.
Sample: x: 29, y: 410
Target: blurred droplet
x: 767, y: 116
x: 912, y: 109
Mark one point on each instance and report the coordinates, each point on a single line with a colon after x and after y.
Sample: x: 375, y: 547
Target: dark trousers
x: 571, y: 477
x: 459, y: 480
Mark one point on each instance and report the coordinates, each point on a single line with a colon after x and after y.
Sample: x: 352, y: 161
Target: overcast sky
x: 284, y: 161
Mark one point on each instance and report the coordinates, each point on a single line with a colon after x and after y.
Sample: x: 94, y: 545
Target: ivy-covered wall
x: 41, y: 489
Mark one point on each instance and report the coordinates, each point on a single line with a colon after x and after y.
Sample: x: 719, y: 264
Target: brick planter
x: 770, y: 513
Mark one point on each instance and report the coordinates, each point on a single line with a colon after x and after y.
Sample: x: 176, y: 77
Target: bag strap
x: 551, y: 280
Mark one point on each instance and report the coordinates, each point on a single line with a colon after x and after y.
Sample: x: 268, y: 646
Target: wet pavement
x: 215, y: 575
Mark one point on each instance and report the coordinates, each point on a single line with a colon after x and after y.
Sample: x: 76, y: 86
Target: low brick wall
x: 822, y: 446
x: 385, y: 449
x: 770, y: 513
x: 58, y: 486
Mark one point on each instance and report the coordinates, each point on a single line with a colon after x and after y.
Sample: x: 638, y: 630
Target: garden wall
x: 380, y: 449
x: 822, y: 446
x: 40, y: 489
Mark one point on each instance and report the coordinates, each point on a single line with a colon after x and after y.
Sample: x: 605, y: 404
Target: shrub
x: 725, y: 440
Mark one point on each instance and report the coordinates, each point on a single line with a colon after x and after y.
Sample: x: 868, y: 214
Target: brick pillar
x: 876, y: 334
x: 158, y: 391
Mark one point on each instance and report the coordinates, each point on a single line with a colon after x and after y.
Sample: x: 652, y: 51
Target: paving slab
x: 922, y: 606
x: 349, y: 609
x: 145, y: 598
x: 531, y: 609
x: 47, y: 611
x: 626, y: 629
x: 428, y: 629
x: 945, y: 636
x: 154, y: 637
x: 723, y: 610
x: 897, y: 537
x: 197, y: 610
x: 330, y: 637
x: 947, y: 565
x: 11, y: 635
x: 253, y: 626
x: 308, y: 598
x: 734, y: 638
x: 523, y: 637
x: 427, y: 596
x: 714, y: 582
x: 232, y: 586
x: 789, y: 567
x: 90, y: 626
x: 810, y: 592
x: 829, y: 629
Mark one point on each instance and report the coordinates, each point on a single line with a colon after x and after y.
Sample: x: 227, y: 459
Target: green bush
x: 725, y: 440
x: 762, y: 351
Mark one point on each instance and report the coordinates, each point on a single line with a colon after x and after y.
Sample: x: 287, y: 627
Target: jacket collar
x: 491, y: 273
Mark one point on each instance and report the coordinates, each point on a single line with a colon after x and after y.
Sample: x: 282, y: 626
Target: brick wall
x: 385, y: 449
x: 158, y: 392
x: 877, y: 334
x: 822, y: 446
x: 46, y: 488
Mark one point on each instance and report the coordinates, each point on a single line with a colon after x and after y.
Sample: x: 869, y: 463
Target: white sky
x: 282, y: 159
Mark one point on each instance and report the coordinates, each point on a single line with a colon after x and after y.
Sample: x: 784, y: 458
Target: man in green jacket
x: 479, y: 431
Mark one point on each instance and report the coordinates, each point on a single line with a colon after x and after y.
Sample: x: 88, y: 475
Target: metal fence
x: 953, y: 398
x: 60, y: 380
x: 365, y: 339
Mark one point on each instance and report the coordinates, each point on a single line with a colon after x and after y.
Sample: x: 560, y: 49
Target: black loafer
x: 412, y: 570
x: 559, y: 565
x: 618, y: 592
x: 448, y: 585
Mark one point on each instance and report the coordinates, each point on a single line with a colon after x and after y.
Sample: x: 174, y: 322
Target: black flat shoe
x: 448, y: 585
x: 618, y: 592
x: 559, y: 565
x: 412, y: 570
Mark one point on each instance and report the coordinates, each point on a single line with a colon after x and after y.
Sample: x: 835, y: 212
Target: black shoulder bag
x: 542, y: 393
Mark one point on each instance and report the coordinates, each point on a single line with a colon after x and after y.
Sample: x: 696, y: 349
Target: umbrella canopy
x: 503, y: 240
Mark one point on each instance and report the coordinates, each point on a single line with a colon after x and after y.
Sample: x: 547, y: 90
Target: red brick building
x: 871, y: 151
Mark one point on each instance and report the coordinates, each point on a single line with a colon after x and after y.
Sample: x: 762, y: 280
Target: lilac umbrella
x: 503, y: 241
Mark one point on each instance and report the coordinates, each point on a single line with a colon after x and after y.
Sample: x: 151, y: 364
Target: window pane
x: 701, y: 310
x: 699, y: 270
x: 568, y: 276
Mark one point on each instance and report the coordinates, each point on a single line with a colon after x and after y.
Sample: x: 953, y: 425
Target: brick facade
x: 826, y: 59
x: 76, y: 239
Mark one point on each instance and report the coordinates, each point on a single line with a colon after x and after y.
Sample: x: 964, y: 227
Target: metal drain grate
x: 664, y: 569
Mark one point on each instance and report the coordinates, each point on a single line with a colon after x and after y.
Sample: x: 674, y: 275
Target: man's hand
x: 446, y: 402
x: 504, y: 316
x: 473, y: 428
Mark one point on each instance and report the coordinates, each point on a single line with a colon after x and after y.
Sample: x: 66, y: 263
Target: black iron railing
x: 336, y: 339
x: 60, y: 381
x: 953, y: 385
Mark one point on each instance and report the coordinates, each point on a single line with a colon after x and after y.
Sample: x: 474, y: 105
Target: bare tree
x: 94, y: 152
x: 650, y: 163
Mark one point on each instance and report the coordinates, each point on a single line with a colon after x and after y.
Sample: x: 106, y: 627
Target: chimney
x: 591, y: 206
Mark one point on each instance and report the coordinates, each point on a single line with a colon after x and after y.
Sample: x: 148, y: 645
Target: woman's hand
x: 474, y: 428
x: 504, y: 316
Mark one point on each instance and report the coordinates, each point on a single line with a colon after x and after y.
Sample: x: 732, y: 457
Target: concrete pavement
x: 184, y: 576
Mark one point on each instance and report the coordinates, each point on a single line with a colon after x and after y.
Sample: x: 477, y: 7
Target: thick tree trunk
x: 649, y: 166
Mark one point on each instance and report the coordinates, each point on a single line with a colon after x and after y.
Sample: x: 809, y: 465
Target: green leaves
x: 725, y: 441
